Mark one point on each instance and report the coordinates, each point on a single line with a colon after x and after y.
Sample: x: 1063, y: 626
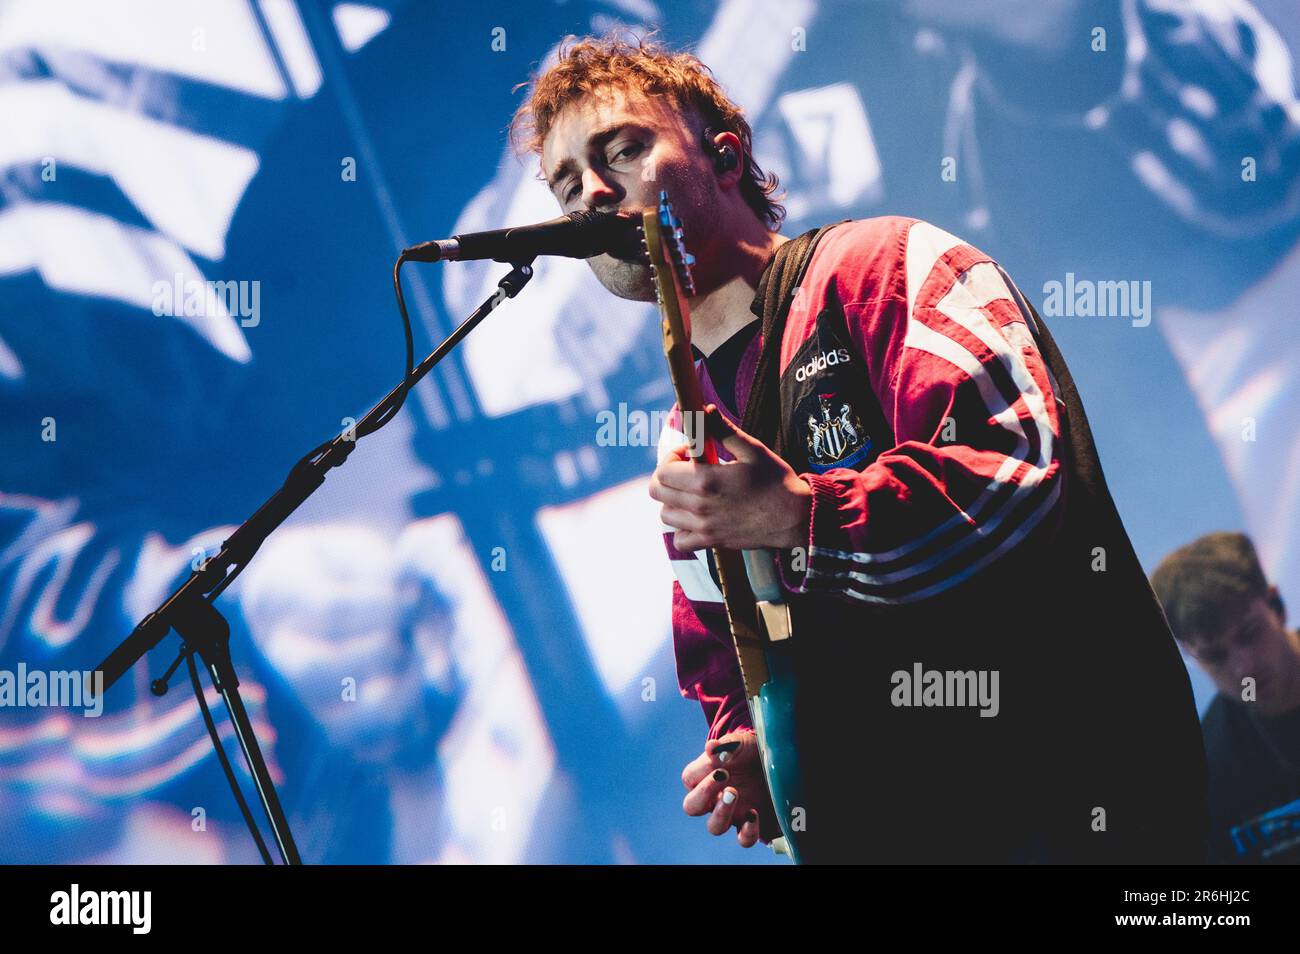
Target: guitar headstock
x: 665, y: 247
x: 670, y: 267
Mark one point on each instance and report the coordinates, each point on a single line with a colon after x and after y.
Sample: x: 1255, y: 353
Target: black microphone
x: 580, y: 234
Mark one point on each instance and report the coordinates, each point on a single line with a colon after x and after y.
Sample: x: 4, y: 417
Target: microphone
x: 580, y: 234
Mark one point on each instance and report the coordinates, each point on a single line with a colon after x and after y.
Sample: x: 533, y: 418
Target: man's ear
x: 1275, y: 602
x: 725, y: 152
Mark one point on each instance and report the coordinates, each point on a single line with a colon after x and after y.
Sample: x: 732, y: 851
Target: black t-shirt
x: 1254, y: 770
x: 724, y: 363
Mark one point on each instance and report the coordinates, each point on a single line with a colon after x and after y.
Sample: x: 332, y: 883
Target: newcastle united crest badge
x: 833, y: 432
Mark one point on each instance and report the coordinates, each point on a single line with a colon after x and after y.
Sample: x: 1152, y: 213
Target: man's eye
x: 570, y: 194
x: 632, y: 147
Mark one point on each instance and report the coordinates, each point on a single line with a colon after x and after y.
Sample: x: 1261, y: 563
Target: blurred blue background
x: 459, y: 650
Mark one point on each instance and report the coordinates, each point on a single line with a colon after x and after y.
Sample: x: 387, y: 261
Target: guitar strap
x: 775, y: 293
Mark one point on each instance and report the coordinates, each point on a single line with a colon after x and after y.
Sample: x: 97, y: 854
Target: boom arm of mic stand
x: 302, y: 481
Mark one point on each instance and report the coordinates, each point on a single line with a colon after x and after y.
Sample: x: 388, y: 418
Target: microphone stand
x: 190, y: 610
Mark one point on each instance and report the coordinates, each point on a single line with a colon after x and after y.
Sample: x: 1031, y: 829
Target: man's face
x: 1256, y: 646
x: 614, y: 152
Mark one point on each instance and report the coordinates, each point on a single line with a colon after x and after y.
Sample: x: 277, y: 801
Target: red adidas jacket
x: 975, y: 465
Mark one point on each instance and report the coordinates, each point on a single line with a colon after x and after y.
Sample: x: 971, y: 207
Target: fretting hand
x: 753, y: 502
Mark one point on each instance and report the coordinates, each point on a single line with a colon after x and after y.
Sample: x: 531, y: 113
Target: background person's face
x: 655, y: 148
x: 1255, y: 646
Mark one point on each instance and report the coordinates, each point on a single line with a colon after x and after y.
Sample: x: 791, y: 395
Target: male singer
x: 937, y: 506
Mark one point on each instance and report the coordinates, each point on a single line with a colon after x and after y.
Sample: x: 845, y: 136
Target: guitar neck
x: 742, y: 615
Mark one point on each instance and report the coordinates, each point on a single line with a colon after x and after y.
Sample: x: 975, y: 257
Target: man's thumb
x: 735, y: 749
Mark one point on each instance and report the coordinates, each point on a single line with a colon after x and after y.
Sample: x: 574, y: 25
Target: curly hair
x: 597, y: 64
